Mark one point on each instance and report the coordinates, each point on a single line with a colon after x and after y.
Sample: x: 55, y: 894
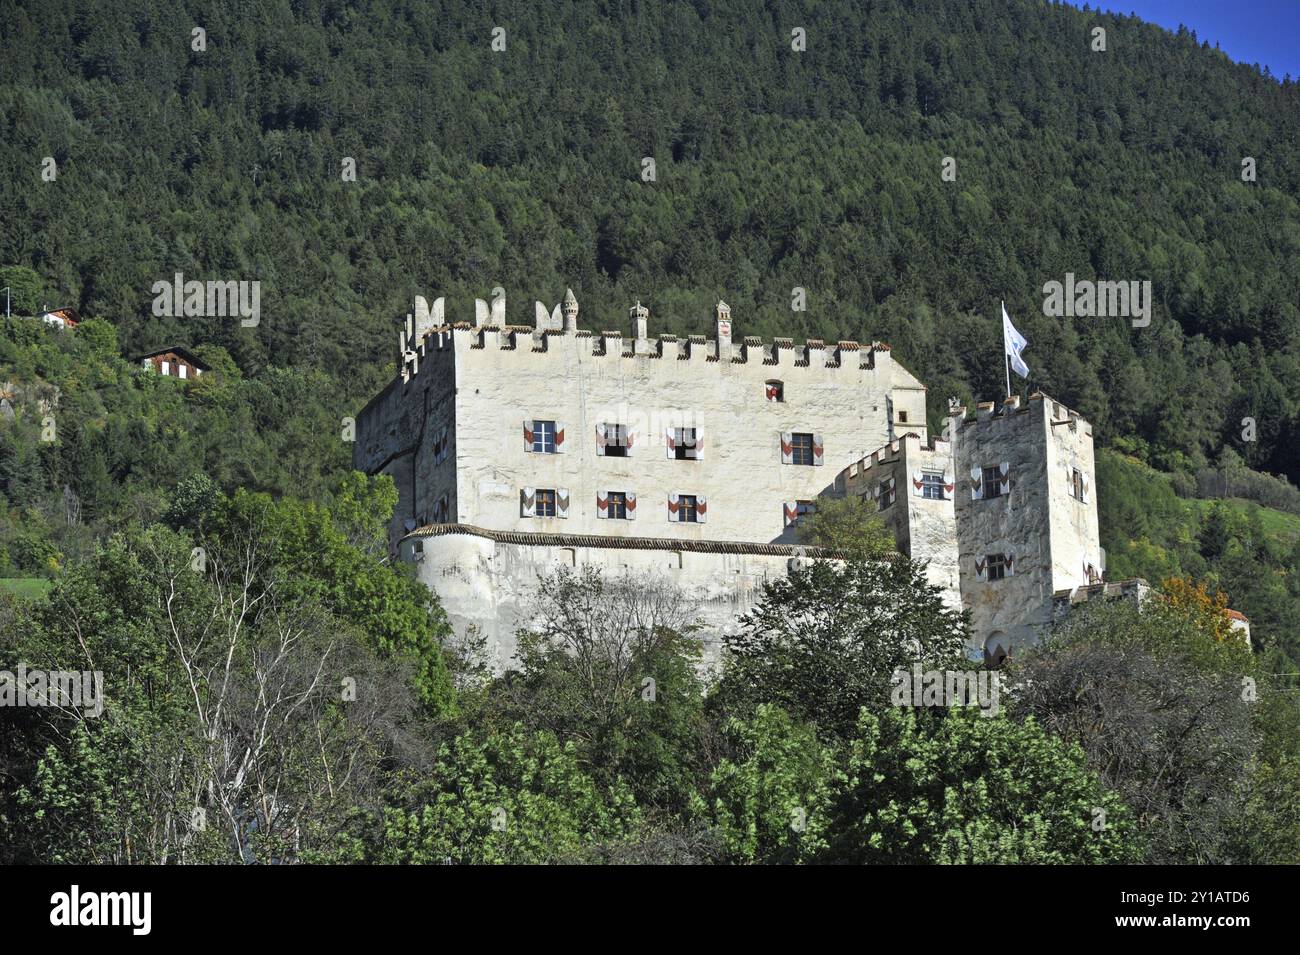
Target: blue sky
x: 1266, y: 32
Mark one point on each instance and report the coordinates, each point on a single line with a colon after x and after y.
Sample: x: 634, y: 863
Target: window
x: 997, y: 566
x: 775, y: 390
x: 801, y: 448
x: 687, y: 508
x: 686, y: 444
x: 615, y: 505
x: 902, y: 417
x: 440, y: 445
x: 796, y: 510
x: 545, y: 502
x: 997, y: 648
x: 180, y: 370
x: 1076, y: 484
x: 932, y: 486
x: 544, y: 437
x: 992, y: 482
x: 165, y: 366
x: 886, y: 493
x: 616, y: 441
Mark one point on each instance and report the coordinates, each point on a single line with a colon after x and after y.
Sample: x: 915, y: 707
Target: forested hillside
x: 775, y: 169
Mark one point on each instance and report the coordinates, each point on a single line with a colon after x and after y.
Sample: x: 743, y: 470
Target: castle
x: 520, y: 449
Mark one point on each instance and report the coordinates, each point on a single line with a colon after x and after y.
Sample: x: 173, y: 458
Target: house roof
x: 180, y: 350
x: 69, y: 314
x: 63, y: 311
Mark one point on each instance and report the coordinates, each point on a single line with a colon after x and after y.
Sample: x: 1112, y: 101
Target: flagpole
x: 1006, y: 354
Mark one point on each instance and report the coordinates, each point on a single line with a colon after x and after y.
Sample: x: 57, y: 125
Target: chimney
x: 722, y: 330
x: 956, y: 417
x: 408, y: 357
x: 640, y: 328
x: 570, y: 307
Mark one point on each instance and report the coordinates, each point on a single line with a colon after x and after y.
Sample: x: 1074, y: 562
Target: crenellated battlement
x: 891, y: 453
x: 989, y: 411
x: 421, y: 338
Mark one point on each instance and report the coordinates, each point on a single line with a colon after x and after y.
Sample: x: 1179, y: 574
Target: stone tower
x: 1026, y: 516
x: 910, y: 483
x: 570, y: 307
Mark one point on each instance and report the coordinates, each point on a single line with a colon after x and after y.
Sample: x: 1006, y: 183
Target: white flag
x: 1014, y: 343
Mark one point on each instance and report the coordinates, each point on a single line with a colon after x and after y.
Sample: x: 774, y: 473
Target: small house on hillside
x: 64, y: 317
x: 174, y: 361
x: 1239, y: 622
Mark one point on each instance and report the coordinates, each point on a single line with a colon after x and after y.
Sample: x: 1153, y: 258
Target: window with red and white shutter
x: 684, y: 444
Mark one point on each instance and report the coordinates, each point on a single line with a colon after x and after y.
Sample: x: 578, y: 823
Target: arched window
x: 996, y: 649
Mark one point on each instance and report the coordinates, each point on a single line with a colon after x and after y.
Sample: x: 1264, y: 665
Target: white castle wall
x: 478, y: 385
x: 491, y: 585
x: 741, y: 474
x: 396, y: 435
x: 1075, y: 535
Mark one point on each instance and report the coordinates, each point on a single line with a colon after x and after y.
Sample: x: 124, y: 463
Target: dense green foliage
x: 953, y: 787
x: 507, y: 798
x: 1249, y: 552
x: 233, y: 692
x: 1182, y: 724
x: 123, y: 438
x: 245, y: 696
x: 827, y: 638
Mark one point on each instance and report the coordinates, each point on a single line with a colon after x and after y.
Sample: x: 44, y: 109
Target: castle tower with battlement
x: 483, y: 413
x: 1026, y: 515
x: 911, y: 484
x: 1001, y: 509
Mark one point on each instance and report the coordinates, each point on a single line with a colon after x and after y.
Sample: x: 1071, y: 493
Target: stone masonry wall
x: 924, y: 528
x: 492, y: 586
x: 1015, y: 609
x: 740, y: 475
